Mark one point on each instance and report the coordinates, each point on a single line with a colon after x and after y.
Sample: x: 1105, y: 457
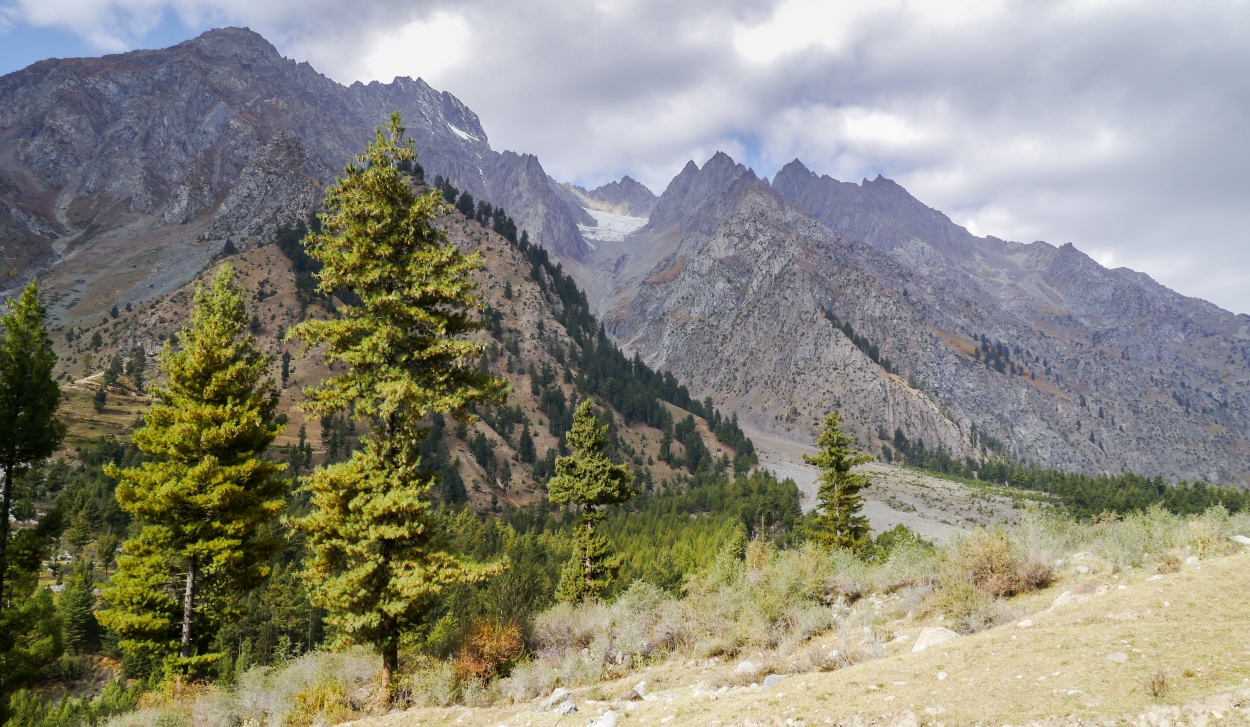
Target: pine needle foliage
x: 29, y: 427
x: 839, y: 524
x: 374, y: 565
x: 589, y: 479
x: 204, y: 494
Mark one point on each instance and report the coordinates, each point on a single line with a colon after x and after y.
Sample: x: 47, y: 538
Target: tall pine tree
x: 587, y: 478
x: 29, y: 428
x: 839, y: 524
x: 374, y: 566
x: 204, y: 494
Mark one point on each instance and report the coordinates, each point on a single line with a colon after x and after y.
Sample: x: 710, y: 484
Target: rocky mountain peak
x: 239, y: 43
x: 700, y: 198
x: 626, y: 197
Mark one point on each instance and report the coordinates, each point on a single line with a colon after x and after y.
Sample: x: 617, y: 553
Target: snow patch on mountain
x: 611, y: 227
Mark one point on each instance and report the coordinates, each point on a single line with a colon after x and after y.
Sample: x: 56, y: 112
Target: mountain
x: 786, y: 300
x: 120, y: 176
x: 541, y: 340
x: 627, y: 197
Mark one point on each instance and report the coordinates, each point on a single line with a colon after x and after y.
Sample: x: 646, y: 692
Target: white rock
x: 1241, y: 539
x: 1027, y: 623
x: 942, y: 675
x: 771, y: 681
x: 566, y: 707
x: 1083, y: 592
x: 608, y: 719
x: 932, y: 636
x: 1154, y: 578
x: 746, y: 667
x: 559, y: 695
x: 1119, y: 657
x: 934, y: 710
x: 640, y: 689
x: 1082, y: 569
x: 1191, y: 560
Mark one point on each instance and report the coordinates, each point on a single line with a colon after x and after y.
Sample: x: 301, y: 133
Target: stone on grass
x: 771, y: 681
x: 607, y: 719
x: 1027, y: 623
x: 566, y: 707
x: 639, y: 691
x: 559, y: 695
x: 1119, y: 657
x: 1241, y: 539
x: 746, y: 667
x: 932, y: 636
x: 1191, y: 560
x: 1081, y: 593
x: 1154, y: 578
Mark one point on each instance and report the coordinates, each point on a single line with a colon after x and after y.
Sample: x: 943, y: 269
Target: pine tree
x: 587, y: 478
x: 374, y: 565
x: 839, y: 525
x: 29, y: 428
x: 525, y: 449
x: 99, y: 400
x: 77, y: 608
x: 205, y: 494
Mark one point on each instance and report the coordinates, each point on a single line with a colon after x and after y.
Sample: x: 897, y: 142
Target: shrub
x: 488, y: 651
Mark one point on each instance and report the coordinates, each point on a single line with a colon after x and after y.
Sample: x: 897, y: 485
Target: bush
x: 488, y: 651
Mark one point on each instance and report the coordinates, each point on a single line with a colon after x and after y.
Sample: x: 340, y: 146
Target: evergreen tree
x: 77, y: 608
x: 525, y: 449
x: 29, y: 428
x: 137, y: 366
x: 205, y: 494
x: 99, y: 400
x: 374, y: 565
x: 587, y: 478
x: 113, y: 371
x: 839, y: 525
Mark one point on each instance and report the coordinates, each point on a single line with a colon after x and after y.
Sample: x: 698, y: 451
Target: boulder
x: 1118, y: 657
x: 1081, y: 593
x: 932, y: 636
x: 638, y: 692
x: 556, y: 697
x: 607, y: 719
x: 771, y: 681
x: 1241, y: 539
x: 746, y: 667
x: 564, y: 708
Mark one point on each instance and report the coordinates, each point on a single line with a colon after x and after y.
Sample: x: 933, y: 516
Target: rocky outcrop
x: 627, y: 197
x: 193, y: 143
x: 1098, y: 370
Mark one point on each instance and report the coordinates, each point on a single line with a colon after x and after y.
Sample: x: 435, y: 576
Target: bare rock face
x: 1035, y: 350
x: 219, y: 137
x: 627, y: 197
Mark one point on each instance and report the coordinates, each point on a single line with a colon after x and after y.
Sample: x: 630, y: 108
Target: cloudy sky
x: 1120, y: 126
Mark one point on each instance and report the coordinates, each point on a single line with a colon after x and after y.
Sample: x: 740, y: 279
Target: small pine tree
x: 374, y: 564
x: 113, y: 371
x: 525, y: 449
x: 77, y: 608
x: 839, y: 525
x: 205, y: 495
x: 100, y: 400
x: 587, y: 478
x: 286, y: 368
x: 507, y: 289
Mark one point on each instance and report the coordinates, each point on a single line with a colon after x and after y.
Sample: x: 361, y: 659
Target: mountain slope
x: 1032, y: 350
x: 126, y: 173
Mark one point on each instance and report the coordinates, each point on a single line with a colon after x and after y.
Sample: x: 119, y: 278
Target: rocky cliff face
x: 1065, y: 362
x: 175, y: 151
x: 628, y: 197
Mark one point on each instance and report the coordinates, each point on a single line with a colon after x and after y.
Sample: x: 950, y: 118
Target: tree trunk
x: 4, y: 525
x: 390, y: 655
x: 188, y: 608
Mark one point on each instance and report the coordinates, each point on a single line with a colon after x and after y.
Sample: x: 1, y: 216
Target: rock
x: 1191, y: 560
x: 900, y: 639
x: 1154, y: 578
x: 746, y: 667
x: 639, y: 691
x: 932, y: 636
x: 1083, y: 592
x: 1241, y: 539
x: 934, y: 710
x: 1118, y: 657
x: 1082, y: 569
x: 1027, y: 623
x: 607, y: 719
x: 566, y: 707
x: 771, y: 681
x: 906, y: 719
x: 559, y: 695
x: 942, y: 675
